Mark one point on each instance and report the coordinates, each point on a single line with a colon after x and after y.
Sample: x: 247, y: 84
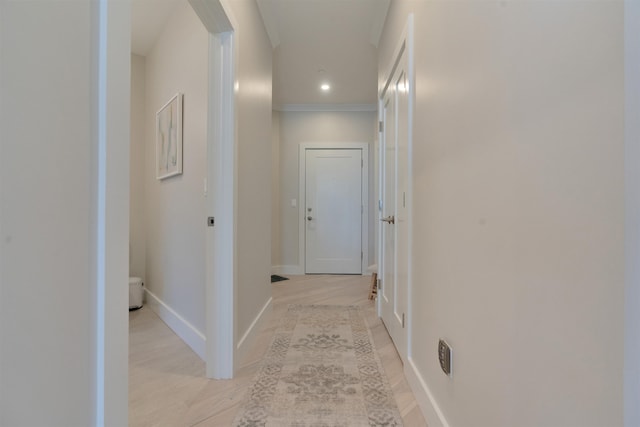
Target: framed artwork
x: 169, y: 138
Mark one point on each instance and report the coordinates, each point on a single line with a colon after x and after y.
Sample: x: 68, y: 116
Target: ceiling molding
x: 380, y: 16
x: 266, y: 10
x: 325, y: 107
x: 213, y: 15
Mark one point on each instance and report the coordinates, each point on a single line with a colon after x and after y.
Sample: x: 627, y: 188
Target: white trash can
x: 136, y: 293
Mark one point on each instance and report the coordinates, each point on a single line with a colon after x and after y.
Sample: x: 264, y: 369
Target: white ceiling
x: 314, y: 41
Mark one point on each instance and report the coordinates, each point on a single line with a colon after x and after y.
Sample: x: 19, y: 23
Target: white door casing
x: 222, y: 197
x: 396, y: 115
x: 333, y: 201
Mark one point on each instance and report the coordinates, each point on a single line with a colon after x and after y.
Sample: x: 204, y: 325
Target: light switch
x: 294, y: 203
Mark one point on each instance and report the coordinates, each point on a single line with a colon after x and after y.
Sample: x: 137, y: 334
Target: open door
x: 395, y: 164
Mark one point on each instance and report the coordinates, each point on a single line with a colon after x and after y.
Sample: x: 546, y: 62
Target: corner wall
x: 137, y: 217
x: 254, y: 145
x: 275, y: 190
x: 175, y: 206
x: 518, y: 253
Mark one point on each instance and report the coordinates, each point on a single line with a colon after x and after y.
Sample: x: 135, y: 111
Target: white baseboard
x: 185, y: 330
x: 430, y: 409
x: 244, y: 344
x: 296, y: 270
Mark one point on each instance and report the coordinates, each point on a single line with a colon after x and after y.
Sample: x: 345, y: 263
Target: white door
x: 395, y: 234
x: 333, y: 216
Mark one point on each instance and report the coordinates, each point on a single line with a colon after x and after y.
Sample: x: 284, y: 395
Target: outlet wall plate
x: 444, y: 356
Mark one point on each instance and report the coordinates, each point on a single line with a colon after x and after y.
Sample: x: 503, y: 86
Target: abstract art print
x: 169, y: 138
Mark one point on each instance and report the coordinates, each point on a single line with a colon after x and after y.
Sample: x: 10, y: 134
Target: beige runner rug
x: 320, y: 370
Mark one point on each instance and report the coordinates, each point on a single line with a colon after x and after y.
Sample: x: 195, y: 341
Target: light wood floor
x: 167, y: 384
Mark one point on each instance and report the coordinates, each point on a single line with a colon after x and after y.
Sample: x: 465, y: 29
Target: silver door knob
x: 309, y: 218
x: 389, y: 220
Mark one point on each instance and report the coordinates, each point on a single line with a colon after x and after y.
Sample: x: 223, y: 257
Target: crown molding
x: 325, y: 107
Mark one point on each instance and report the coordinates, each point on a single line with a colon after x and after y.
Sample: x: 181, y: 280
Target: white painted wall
x: 632, y: 220
x: 298, y: 127
x: 254, y: 144
x: 275, y: 190
x: 518, y: 254
x: 63, y: 284
x: 175, y: 207
x: 137, y: 218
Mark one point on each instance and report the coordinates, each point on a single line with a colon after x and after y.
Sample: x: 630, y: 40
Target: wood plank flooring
x: 167, y: 384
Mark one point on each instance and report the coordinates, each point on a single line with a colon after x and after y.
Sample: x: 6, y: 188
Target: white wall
x: 63, y: 323
x: 275, y: 189
x: 518, y: 254
x: 298, y: 127
x: 175, y: 207
x: 137, y: 218
x: 254, y: 142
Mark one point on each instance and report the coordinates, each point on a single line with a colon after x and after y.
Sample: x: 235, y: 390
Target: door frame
x: 405, y: 44
x: 302, y: 149
x: 221, y: 204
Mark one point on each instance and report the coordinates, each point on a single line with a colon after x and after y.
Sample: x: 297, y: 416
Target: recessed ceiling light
x: 325, y: 87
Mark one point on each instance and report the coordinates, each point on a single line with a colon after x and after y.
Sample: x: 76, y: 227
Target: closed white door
x: 395, y: 234
x: 333, y: 215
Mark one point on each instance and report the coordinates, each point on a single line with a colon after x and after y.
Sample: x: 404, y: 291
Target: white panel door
x: 395, y: 235
x: 333, y: 197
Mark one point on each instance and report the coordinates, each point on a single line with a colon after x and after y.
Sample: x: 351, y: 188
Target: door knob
x: 389, y: 220
x: 309, y: 218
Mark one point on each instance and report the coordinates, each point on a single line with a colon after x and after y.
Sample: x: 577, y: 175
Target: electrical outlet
x: 444, y: 355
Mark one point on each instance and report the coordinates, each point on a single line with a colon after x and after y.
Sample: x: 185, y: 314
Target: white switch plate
x: 294, y: 203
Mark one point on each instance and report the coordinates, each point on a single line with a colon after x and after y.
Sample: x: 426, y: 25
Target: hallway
x: 167, y: 384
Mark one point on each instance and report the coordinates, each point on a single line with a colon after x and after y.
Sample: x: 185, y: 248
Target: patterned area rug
x: 321, y: 370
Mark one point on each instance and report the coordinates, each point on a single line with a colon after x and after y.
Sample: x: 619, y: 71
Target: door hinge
x: 380, y: 126
x: 403, y: 320
x: 379, y: 284
x: 361, y: 256
x: 361, y: 163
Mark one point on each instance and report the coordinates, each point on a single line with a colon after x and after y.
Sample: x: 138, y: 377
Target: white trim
x: 325, y: 107
x: 214, y: 15
x: 221, y: 256
x: 221, y: 171
x: 111, y: 74
x: 409, y: 195
x: 244, y: 344
x: 364, y: 146
x: 432, y: 413
x: 178, y: 324
x: 101, y: 189
x: 405, y: 46
x: 295, y: 270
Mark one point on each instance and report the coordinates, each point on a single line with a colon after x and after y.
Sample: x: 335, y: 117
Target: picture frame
x: 169, y: 138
